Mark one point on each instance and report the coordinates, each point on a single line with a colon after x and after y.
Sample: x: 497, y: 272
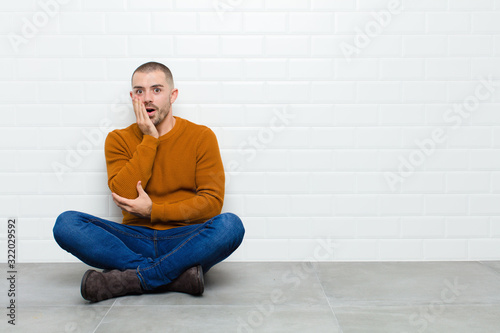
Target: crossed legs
x: 158, y: 257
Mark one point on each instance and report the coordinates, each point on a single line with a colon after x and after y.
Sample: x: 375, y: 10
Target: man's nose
x: 148, y: 97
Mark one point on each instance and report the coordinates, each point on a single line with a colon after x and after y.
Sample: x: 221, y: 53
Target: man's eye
x: 138, y: 91
x: 157, y: 90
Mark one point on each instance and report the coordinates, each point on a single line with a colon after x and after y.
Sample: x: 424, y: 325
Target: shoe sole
x: 201, y: 279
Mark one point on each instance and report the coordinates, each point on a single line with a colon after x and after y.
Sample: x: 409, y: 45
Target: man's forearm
x: 200, y: 207
x: 141, y: 206
x: 125, y: 172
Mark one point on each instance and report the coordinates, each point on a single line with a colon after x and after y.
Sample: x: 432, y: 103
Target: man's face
x: 153, y: 90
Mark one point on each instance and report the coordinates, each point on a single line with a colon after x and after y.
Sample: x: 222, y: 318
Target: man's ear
x: 131, y: 95
x: 173, y: 97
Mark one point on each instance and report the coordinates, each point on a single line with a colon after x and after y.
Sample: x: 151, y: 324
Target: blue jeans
x: 158, y: 256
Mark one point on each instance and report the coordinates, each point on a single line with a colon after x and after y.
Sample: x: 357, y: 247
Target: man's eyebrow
x: 153, y: 86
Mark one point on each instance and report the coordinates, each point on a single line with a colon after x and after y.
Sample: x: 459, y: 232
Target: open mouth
x: 150, y: 110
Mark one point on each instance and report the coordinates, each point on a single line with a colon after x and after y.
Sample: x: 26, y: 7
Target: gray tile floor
x: 384, y: 297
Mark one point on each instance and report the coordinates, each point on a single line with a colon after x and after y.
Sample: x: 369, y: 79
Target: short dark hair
x: 156, y: 66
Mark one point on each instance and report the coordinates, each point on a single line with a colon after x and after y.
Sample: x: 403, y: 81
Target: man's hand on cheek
x: 140, y: 206
x: 145, y: 124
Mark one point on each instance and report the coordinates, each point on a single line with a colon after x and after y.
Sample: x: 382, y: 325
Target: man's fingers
x: 141, y: 114
x: 120, y: 201
x: 115, y: 200
x: 142, y: 110
x: 118, y: 204
x: 145, y: 124
x: 116, y: 196
x: 145, y: 116
x: 139, y: 109
x: 140, y: 190
x: 141, y: 206
x: 122, y: 207
x: 136, y: 107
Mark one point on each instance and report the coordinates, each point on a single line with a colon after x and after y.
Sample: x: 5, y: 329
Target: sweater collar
x: 179, y: 124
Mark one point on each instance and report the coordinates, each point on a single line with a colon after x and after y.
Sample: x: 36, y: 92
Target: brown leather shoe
x: 190, y: 282
x: 99, y: 286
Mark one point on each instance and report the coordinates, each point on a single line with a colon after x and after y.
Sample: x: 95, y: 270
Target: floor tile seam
x: 298, y: 306
x: 61, y: 306
x: 327, y: 299
x: 396, y: 304
x: 326, y: 305
x: 105, y: 315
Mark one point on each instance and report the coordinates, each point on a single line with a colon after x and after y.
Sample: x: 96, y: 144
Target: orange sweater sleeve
x: 126, y: 169
x: 210, y: 186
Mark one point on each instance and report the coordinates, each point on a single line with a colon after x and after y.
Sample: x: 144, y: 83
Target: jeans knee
x: 235, y: 225
x: 62, y: 223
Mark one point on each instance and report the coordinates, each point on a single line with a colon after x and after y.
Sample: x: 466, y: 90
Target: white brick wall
x: 359, y: 96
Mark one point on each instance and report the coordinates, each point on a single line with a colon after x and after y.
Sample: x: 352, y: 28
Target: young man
x: 166, y: 175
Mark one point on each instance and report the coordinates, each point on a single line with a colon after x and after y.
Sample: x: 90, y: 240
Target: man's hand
x: 140, y: 206
x: 145, y: 124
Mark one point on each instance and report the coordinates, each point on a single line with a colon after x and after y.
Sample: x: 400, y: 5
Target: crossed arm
x: 130, y: 172
x: 142, y: 205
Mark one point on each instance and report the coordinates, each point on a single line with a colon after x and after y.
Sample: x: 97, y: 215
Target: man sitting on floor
x: 166, y: 175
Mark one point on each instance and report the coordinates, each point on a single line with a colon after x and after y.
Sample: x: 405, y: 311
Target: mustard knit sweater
x: 181, y: 171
